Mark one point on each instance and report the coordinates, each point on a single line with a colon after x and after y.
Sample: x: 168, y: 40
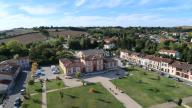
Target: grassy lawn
x: 147, y: 90
x: 81, y: 97
x: 33, y: 102
x: 35, y: 88
x: 54, y: 84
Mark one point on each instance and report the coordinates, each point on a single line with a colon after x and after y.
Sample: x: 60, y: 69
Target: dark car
x: 17, y: 102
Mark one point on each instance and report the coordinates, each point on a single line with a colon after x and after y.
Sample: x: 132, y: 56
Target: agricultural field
x: 27, y: 38
x: 65, y: 33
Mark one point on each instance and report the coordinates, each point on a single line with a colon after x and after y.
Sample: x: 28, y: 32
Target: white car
x: 68, y: 77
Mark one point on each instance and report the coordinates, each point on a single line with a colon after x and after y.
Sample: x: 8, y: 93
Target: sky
x: 32, y: 13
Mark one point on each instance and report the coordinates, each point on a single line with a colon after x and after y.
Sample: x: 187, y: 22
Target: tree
x: 78, y: 75
x: 180, y: 102
x: 34, y: 67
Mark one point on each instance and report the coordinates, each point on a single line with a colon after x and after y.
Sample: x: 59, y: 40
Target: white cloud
x: 3, y: 9
x: 38, y: 10
x: 80, y: 2
x: 109, y: 3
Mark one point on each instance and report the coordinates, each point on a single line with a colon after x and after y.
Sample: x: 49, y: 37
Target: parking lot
x: 48, y: 74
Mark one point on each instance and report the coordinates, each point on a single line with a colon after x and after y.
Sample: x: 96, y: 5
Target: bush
x: 180, y: 102
x: 31, y: 82
x: 92, y: 90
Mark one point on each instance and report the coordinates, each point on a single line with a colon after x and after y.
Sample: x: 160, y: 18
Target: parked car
x: 68, y: 77
x: 54, y: 69
x: 22, y: 91
x: 39, y: 73
x: 17, y: 102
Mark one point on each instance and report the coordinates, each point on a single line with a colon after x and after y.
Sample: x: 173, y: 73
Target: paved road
x: 20, y: 82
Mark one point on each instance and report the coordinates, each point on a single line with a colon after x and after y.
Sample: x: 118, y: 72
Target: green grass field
x: 54, y: 84
x: 33, y: 102
x: 145, y: 88
x: 80, y: 97
x: 35, y: 88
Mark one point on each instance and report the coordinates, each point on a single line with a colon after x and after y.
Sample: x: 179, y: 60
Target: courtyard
x: 148, y: 88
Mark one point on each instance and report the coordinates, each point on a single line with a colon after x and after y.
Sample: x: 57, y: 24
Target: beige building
x: 131, y: 57
x: 181, y: 70
x: 92, y: 63
x: 70, y: 67
x: 87, y: 61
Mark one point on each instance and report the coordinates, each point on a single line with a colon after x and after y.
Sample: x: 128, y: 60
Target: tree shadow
x: 71, y: 96
x: 130, y: 69
x: 39, y: 90
x: 153, y: 78
x: 98, y: 92
x: 102, y: 100
x: 74, y: 107
x: 37, y: 101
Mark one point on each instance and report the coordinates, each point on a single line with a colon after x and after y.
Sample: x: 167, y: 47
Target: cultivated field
x: 65, y: 33
x: 27, y: 38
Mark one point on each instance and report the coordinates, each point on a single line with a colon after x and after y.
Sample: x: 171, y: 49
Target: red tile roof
x: 181, y: 65
x: 158, y: 59
x: 71, y: 63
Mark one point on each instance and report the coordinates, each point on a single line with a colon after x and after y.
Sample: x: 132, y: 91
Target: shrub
x: 92, y: 90
x: 31, y: 82
x: 180, y: 102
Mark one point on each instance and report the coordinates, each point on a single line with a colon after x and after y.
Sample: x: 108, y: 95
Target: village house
x: 181, y: 70
x: 170, y: 53
x: 131, y: 57
x: 145, y: 61
x: 8, y: 74
x: 84, y: 53
x: 165, y: 65
x: 109, y: 43
x: 70, y: 67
